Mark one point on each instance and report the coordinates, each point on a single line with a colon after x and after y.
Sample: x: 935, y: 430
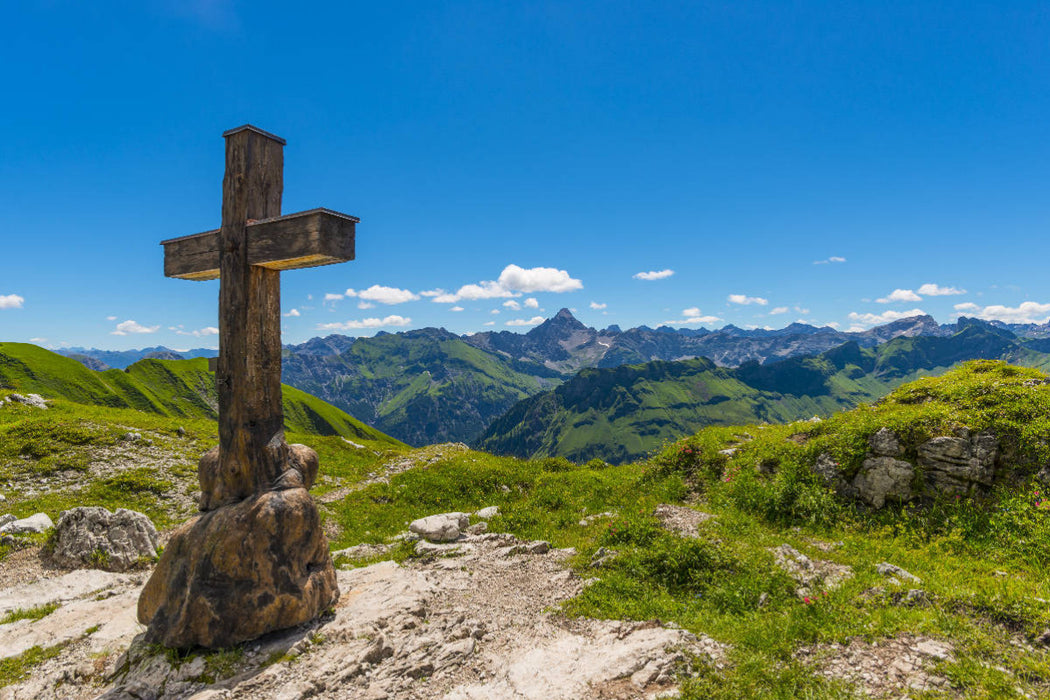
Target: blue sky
x: 784, y: 161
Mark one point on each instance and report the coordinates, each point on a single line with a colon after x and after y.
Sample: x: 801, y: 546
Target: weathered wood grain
x: 305, y: 239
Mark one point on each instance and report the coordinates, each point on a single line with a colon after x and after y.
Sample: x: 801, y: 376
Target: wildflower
x: 807, y: 600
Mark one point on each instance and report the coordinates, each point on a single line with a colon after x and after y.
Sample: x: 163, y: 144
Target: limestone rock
x: 444, y: 527
x: 236, y: 573
x: 884, y: 478
x: 812, y: 574
x: 487, y: 513
x: 957, y: 464
x: 884, y: 443
x: 828, y: 470
x: 95, y: 538
x: 34, y: 400
x: 34, y: 524
x: 888, y: 569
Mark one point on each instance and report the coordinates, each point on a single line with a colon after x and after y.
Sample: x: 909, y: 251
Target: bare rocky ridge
x: 475, y: 621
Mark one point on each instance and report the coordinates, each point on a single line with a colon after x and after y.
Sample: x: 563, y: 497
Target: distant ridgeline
x: 430, y: 385
x: 623, y: 414
x: 165, y: 387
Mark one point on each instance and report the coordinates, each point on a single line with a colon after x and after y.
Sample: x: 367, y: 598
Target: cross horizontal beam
x: 306, y: 239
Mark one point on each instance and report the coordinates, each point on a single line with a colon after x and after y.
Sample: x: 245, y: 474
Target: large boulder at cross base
x: 238, y: 572
x: 95, y: 538
x: 299, y: 465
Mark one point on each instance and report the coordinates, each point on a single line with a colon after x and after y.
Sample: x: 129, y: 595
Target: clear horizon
x: 689, y: 165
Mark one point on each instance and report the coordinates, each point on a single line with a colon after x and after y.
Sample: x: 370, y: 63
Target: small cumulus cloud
x: 513, y: 282
x: 653, y: 275
x: 831, y: 260
x: 511, y: 304
x: 489, y: 323
x: 596, y: 306
x: 293, y: 313
x: 331, y: 296
x: 199, y: 333
x: 365, y: 323
x: 365, y: 305
x: 12, y: 301
x: 531, y: 303
x: 456, y: 308
x: 900, y: 295
x: 494, y: 311
x: 778, y: 310
x: 968, y: 306
x: 746, y: 300
x: 934, y: 290
x: 432, y: 293
x: 111, y: 318
x: 129, y: 326
x: 534, y: 321
x: 385, y: 295
x: 692, y: 315
x: 868, y: 319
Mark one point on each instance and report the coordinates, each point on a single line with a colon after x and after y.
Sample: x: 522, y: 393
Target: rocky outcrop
x: 34, y: 400
x: 882, y: 479
x: 444, y: 527
x: 948, y: 465
x: 95, y: 538
x: 33, y: 525
x: 812, y: 575
x: 961, y: 463
x: 240, y: 571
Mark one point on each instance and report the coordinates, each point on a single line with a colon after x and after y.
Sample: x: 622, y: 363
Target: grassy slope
x: 627, y: 412
x: 982, y: 560
x: 430, y: 388
x: 175, y: 388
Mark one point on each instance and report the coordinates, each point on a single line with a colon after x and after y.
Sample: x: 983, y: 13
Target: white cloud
x: 334, y: 297
x: 513, y: 305
x: 456, y: 308
x: 209, y: 330
x: 494, y: 311
x: 1026, y: 312
x: 38, y: 340
x: 350, y: 293
x: 293, y: 313
x: 595, y: 305
x: 778, y: 310
x: 900, y: 295
x: 534, y: 321
x: 653, y: 275
x: 365, y: 305
x: 832, y: 259
x: 11, y: 301
x: 531, y: 303
x: 365, y: 323
x: 745, y: 300
x: 129, y: 326
x: 884, y: 317
x: 432, y: 293
x: 386, y: 295
x: 967, y: 306
x: 933, y: 290
x: 801, y: 310
x: 489, y: 323
x: 111, y: 318
x: 537, y: 279
x: 692, y: 315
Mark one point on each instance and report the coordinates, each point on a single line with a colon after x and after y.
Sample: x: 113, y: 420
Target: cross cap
x: 257, y: 130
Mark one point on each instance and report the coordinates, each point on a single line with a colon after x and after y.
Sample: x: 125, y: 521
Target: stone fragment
x: 884, y: 443
x: 680, y: 520
x: 444, y: 527
x: 95, y: 538
x: 7, y: 518
x: 813, y: 574
x: 34, y: 400
x: 884, y: 478
x: 34, y: 524
x: 887, y: 569
x: 487, y: 513
x: 236, y: 573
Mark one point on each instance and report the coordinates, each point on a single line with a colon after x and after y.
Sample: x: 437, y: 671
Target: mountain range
x: 623, y: 413
x: 431, y: 385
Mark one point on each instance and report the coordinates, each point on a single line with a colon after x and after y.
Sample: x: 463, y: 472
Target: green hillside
x: 624, y: 413
x: 423, y: 386
x: 173, y: 388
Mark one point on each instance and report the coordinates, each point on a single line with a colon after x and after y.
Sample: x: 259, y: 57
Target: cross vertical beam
x: 252, y: 450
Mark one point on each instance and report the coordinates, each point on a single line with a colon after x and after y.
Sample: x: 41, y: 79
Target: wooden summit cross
x: 247, y: 254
